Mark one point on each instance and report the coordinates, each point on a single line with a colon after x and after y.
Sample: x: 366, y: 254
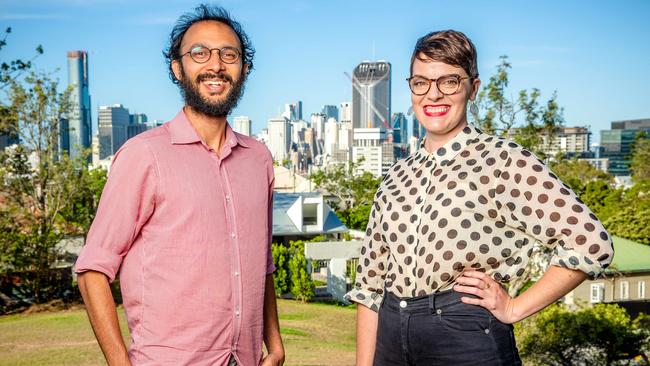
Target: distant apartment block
x: 571, y: 141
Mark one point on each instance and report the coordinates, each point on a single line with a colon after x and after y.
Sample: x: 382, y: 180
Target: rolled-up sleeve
x: 371, y: 272
x: 127, y: 202
x: 533, y: 199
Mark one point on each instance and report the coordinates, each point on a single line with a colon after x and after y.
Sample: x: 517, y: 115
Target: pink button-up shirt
x: 189, y: 232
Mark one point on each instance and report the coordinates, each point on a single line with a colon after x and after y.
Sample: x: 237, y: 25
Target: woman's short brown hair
x: 448, y: 46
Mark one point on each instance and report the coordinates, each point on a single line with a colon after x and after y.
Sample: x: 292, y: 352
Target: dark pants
x: 441, y: 330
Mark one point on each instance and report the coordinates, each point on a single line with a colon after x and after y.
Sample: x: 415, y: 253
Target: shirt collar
x: 182, y: 132
x: 448, y: 151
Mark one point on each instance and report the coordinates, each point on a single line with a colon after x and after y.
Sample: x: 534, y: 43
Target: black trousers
x: 439, y: 329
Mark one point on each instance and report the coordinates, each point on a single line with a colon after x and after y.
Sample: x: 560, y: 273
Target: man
x: 186, y: 219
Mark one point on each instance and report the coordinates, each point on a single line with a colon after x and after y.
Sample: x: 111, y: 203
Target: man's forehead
x: 210, y: 33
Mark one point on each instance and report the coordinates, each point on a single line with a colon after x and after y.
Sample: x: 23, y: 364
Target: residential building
x: 79, y: 130
x: 571, y: 141
x: 626, y: 281
x: 303, y: 216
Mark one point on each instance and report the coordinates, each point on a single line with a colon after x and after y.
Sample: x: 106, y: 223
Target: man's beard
x: 218, y: 109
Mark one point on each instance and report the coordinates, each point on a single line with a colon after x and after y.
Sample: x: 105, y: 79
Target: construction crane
x: 355, y: 85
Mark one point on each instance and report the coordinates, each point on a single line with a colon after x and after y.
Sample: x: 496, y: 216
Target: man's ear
x: 176, y: 68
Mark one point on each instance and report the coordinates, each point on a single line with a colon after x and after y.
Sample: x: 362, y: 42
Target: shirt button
x: 402, y: 304
x: 228, y: 198
x: 438, y: 311
x: 233, y: 235
x: 237, y: 312
x: 236, y: 274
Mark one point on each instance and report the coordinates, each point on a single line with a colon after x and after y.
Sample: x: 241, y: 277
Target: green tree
x: 84, y: 192
x: 352, y: 191
x: 38, y: 181
x: 281, y: 274
x: 631, y: 222
x: 11, y: 70
x: 302, y: 286
x: 578, y: 173
x: 602, y: 335
x: 640, y: 165
x: 602, y: 198
x: 522, y: 119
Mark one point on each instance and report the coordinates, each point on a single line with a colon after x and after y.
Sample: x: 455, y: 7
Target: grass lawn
x: 314, y: 334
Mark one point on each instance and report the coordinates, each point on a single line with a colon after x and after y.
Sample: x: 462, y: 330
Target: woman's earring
x: 473, y: 108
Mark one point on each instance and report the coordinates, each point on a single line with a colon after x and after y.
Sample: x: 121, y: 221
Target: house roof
x: 630, y: 256
x: 283, y: 225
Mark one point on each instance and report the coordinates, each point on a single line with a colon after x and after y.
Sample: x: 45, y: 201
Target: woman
x: 455, y: 221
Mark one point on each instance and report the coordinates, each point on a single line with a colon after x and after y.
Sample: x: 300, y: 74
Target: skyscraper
x: 293, y: 111
x: 400, y: 128
x: 345, y: 112
x: 418, y: 131
x: 79, y: 130
x: 371, y: 85
x: 331, y: 111
x: 113, y: 129
x: 242, y: 124
x: 137, y: 124
x: 318, y: 124
x: 279, y: 138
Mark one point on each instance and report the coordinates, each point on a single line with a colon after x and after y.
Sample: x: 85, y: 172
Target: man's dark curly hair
x: 201, y: 13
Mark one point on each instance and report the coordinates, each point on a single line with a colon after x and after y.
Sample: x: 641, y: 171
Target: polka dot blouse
x: 479, y: 202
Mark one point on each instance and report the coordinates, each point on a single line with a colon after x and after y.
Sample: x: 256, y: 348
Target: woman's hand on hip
x: 491, y: 295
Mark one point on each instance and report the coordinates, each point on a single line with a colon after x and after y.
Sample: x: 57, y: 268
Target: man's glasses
x: 202, y: 54
x: 446, y: 84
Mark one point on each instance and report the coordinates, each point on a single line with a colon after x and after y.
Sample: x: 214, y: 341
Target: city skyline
x: 582, y: 50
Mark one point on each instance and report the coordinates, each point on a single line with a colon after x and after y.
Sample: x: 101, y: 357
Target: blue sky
x: 596, y: 54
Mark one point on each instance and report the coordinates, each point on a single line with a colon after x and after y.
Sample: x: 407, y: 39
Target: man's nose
x: 215, y: 63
